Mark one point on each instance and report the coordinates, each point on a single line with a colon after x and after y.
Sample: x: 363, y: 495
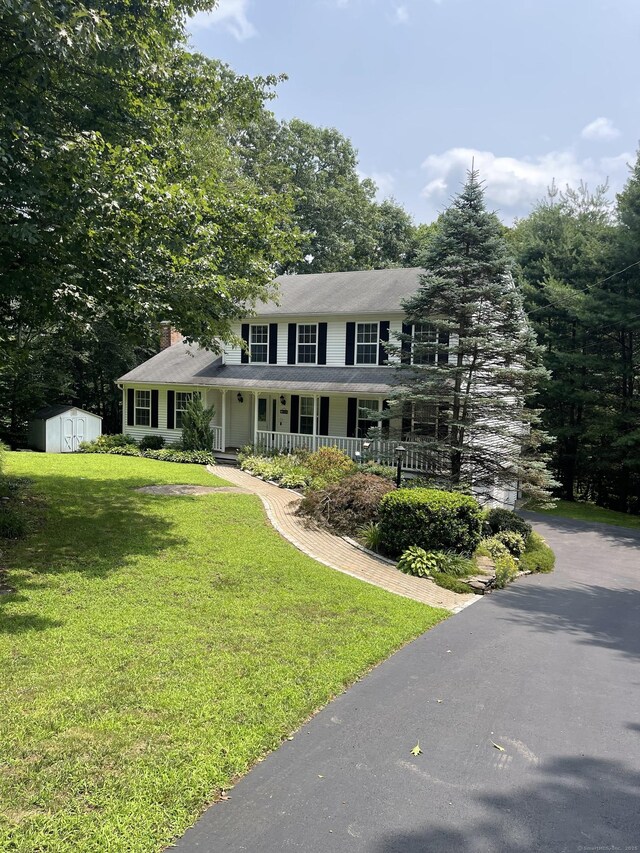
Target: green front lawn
x: 591, y: 512
x: 155, y: 647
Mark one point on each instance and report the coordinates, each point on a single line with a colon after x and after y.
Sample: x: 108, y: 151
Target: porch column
x: 315, y: 422
x: 255, y: 418
x: 223, y: 418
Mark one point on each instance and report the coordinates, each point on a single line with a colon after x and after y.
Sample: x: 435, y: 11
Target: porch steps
x: 229, y: 459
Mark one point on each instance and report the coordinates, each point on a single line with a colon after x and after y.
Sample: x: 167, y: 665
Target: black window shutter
x: 385, y: 421
x: 384, y: 339
x: 405, y: 346
x: 244, y: 354
x: 130, y: 407
x: 322, y: 343
x: 443, y: 355
x: 171, y: 408
x: 352, y: 417
x: 273, y: 343
x: 154, y: 409
x: 324, y: 415
x: 291, y: 348
x: 350, y: 350
x: 294, y: 408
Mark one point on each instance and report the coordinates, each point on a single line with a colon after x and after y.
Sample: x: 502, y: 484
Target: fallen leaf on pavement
x: 416, y: 749
x: 497, y: 746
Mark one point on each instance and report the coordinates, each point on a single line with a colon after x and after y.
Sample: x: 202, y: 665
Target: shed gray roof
x: 360, y: 292
x: 184, y: 364
x: 53, y: 411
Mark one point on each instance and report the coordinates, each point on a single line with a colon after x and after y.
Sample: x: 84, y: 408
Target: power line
x: 584, y: 289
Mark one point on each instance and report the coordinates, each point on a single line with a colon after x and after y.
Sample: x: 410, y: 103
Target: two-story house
x: 312, y: 371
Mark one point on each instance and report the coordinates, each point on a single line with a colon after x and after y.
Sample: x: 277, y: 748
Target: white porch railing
x: 380, y: 450
x: 217, y: 437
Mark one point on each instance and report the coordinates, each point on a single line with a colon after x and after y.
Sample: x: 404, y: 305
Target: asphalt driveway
x: 548, y: 669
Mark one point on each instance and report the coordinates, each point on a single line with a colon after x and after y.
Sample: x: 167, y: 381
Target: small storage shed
x: 60, y: 429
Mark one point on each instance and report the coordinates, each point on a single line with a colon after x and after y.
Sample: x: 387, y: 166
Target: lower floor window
x: 183, y: 398
x: 306, y: 415
x: 143, y: 408
x: 428, y: 421
x: 365, y: 421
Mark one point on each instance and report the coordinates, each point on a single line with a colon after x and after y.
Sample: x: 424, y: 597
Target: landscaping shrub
x: 195, y: 457
x: 152, y: 442
x: 435, y: 520
x: 12, y: 524
x: 328, y: 465
x: 417, y: 561
x: 369, y: 534
x: 506, y: 569
x: 196, y: 425
x: 513, y: 542
x: 385, y: 471
x: 346, y: 505
x: 491, y: 547
x: 537, y: 556
x: 283, y: 469
x: 499, y: 520
x: 448, y: 582
x: 106, y: 443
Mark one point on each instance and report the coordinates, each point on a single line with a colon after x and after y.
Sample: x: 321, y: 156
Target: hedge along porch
x: 271, y: 419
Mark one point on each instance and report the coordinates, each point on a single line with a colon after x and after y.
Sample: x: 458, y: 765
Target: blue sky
x: 534, y: 90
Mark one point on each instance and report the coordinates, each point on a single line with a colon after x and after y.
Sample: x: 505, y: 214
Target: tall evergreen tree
x: 474, y: 359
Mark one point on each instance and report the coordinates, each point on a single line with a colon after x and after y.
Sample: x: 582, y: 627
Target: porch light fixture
x: 240, y: 398
x: 283, y: 400
x: 400, y: 454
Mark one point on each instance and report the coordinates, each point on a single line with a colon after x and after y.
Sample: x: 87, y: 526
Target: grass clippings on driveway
x: 155, y: 647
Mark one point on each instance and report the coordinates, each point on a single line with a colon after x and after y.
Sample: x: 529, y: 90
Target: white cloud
x: 401, y: 15
x: 600, y: 128
x: 514, y: 184
x: 231, y: 14
x: 384, y: 181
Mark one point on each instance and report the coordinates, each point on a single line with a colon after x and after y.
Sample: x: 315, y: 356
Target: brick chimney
x: 168, y: 335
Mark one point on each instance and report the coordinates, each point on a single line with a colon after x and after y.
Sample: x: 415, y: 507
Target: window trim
x: 264, y: 343
x: 375, y: 344
x: 138, y: 408
x: 299, y: 344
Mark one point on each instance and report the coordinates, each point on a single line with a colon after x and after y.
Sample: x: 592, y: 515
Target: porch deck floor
x: 332, y: 551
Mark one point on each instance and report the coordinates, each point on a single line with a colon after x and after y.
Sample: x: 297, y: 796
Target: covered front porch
x: 284, y: 421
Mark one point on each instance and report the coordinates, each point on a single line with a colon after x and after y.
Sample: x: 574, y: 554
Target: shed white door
x: 73, y: 432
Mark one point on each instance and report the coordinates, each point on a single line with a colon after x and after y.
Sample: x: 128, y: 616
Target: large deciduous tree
x: 105, y: 213
x: 471, y: 360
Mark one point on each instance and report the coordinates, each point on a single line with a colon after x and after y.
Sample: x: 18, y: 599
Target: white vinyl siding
x: 211, y: 397
x: 336, y: 337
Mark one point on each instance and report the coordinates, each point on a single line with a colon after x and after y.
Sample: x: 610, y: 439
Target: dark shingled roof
x: 184, y: 364
x: 53, y: 411
x: 360, y: 292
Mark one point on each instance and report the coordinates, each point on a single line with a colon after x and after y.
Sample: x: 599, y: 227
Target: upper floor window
x: 259, y: 344
x: 307, y: 343
x: 367, y: 343
x: 143, y: 408
x: 427, y: 343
